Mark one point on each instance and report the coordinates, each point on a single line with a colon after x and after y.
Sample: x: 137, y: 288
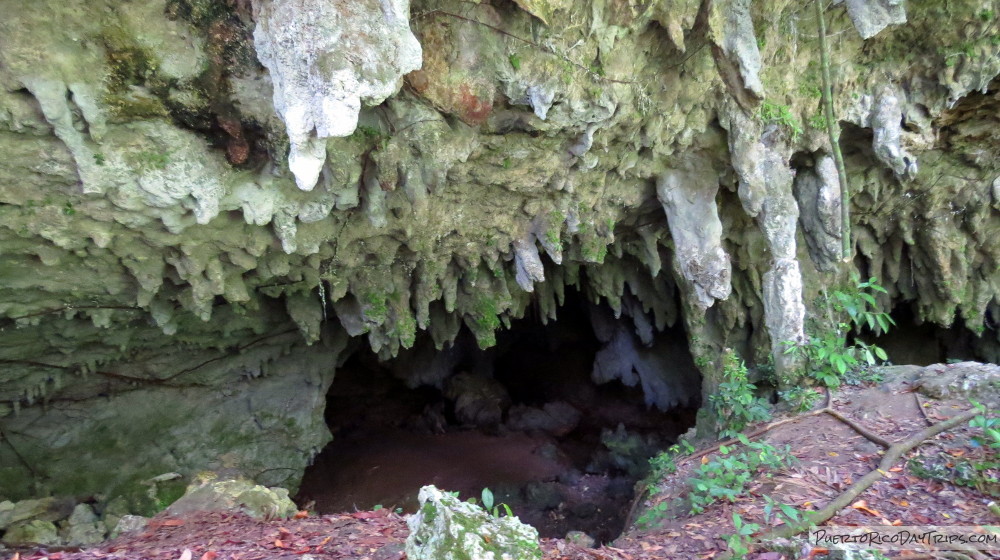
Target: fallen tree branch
x: 892, y: 455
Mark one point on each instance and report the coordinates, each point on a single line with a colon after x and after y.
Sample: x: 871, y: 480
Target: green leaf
x: 790, y: 512
x: 880, y: 353
x: 837, y: 361
x: 487, y: 498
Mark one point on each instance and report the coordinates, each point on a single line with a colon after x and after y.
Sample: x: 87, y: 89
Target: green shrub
x: 801, y: 399
x: 726, y: 476
x: 829, y: 355
x: 734, y: 404
x: 739, y: 543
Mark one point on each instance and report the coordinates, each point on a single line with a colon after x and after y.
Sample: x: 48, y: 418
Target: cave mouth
x: 524, y: 418
x: 911, y: 341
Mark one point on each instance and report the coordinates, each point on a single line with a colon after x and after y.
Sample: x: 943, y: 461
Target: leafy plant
x: 735, y: 404
x: 726, y: 476
x: 652, y: 515
x: 664, y: 463
x: 739, y: 543
x: 801, y: 399
x: 989, y: 423
x: 784, y: 512
x: 489, y: 506
x: 774, y: 113
x: 829, y: 355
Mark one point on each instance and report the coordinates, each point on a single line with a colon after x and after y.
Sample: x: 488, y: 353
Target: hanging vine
x: 833, y: 129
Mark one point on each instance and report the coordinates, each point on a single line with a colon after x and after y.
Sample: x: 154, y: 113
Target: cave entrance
x: 924, y: 343
x: 524, y: 418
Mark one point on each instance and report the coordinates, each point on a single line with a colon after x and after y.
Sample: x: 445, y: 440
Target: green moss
x: 151, y: 160
x: 486, y: 314
x: 552, y: 236
x: 371, y: 136
x: 375, y: 307
x: 168, y: 492
x: 406, y: 329
x: 129, y: 64
x: 515, y: 61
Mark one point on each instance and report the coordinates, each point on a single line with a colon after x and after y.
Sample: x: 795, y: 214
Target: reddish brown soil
x: 392, y: 464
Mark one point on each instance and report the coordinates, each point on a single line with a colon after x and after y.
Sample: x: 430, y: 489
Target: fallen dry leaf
x: 862, y: 505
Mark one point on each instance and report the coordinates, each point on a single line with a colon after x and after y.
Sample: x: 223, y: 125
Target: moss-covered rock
x: 210, y: 494
x: 445, y: 528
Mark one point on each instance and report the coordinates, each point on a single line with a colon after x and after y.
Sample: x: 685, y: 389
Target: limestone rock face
x: 445, y: 528
x: 817, y: 191
x: 688, y: 198
x: 872, y: 16
x: 325, y: 60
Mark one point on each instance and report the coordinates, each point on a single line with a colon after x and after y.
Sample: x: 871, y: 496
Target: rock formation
x: 205, y: 206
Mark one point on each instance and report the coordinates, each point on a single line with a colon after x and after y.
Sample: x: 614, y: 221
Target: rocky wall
x: 200, y: 213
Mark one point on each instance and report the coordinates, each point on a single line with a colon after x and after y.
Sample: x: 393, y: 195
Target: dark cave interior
x: 523, y: 418
x: 925, y: 343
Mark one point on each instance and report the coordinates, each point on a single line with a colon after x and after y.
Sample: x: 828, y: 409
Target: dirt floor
x: 831, y: 456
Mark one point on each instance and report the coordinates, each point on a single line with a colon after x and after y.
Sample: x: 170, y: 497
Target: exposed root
x: 868, y: 434
x: 921, y: 407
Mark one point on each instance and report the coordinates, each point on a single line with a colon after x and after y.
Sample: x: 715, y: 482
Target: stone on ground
x: 240, y: 495
x: 445, y: 528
